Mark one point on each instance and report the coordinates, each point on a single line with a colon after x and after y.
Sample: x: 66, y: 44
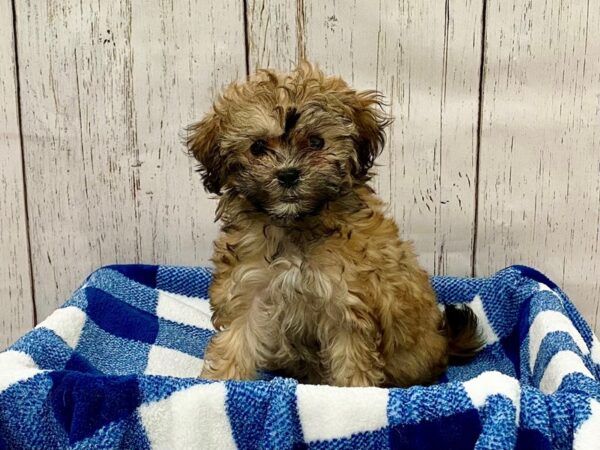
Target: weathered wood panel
x: 79, y: 138
x: 426, y: 59
x: 183, y: 54
x: 540, y: 158
x: 16, y: 302
x: 275, y: 34
x: 107, y: 86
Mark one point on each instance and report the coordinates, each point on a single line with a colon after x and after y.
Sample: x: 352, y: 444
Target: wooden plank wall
x: 16, y: 302
x: 493, y: 158
x: 106, y: 90
x: 539, y: 195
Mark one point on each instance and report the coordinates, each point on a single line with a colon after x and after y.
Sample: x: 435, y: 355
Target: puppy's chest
x: 298, y: 279
x: 285, y: 278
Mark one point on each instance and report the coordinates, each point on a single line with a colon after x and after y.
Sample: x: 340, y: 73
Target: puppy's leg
x: 352, y: 353
x: 231, y: 354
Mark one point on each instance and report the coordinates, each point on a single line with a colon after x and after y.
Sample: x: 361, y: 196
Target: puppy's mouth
x: 288, y: 209
x: 290, y: 198
x: 288, y: 206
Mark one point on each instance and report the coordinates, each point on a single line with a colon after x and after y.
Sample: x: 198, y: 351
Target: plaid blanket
x: 116, y: 367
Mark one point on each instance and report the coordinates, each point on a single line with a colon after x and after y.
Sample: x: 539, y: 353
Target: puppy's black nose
x: 288, y: 177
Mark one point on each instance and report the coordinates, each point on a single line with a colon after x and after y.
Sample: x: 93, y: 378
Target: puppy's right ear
x: 203, y: 144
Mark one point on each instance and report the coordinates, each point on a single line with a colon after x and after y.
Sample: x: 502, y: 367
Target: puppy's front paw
x: 223, y: 370
x: 228, y: 358
x: 209, y: 373
x: 358, y: 378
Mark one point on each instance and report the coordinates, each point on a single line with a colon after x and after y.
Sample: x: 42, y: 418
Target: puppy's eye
x: 316, y: 142
x: 259, y: 147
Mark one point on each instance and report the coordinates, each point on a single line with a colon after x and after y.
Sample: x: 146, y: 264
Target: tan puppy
x: 312, y: 279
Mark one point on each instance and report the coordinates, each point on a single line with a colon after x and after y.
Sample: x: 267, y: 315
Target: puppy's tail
x: 464, y: 336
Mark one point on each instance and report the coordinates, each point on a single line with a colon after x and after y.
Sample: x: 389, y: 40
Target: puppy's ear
x: 370, y: 120
x: 203, y: 144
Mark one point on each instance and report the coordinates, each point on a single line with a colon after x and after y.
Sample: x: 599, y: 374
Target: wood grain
x: 540, y: 159
x: 274, y: 34
x: 16, y: 302
x: 107, y: 88
x: 183, y: 55
x: 426, y: 60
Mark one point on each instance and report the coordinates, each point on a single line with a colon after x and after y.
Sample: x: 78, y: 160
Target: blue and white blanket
x: 116, y: 367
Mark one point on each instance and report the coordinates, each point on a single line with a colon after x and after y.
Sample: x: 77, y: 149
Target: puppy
x: 312, y: 280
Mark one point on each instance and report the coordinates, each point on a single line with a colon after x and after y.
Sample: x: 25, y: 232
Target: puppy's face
x: 289, y: 143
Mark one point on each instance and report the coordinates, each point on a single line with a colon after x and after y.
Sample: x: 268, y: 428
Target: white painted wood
x: 183, y: 54
x: 426, y: 59
x: 79, y: 141
x: 107, y: 88
x: 16, y: 302
x: 274, y: 33
x: 540, y: 154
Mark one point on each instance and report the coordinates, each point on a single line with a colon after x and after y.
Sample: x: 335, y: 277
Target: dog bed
x: 116, y: 367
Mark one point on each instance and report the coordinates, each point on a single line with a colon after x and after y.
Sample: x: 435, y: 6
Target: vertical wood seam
x: 246, y: 37
x: 23, y: 171
x: 438, y: 262
x: 132, y: 130
x: 479, y: 131
x: 300, y: 26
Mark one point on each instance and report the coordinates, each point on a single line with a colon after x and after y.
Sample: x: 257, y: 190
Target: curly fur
x: 312, y: 280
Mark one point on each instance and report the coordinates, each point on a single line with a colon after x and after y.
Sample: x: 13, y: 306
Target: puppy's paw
x: 212, y: 371
x: 358, y: 378
x: 209, y: 373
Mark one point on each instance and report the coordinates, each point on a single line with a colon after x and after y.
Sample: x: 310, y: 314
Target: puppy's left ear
x: 371, y: 121
x: 203, y: 144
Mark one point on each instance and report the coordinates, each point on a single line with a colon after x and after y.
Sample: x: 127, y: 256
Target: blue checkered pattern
x: 117, y: 366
